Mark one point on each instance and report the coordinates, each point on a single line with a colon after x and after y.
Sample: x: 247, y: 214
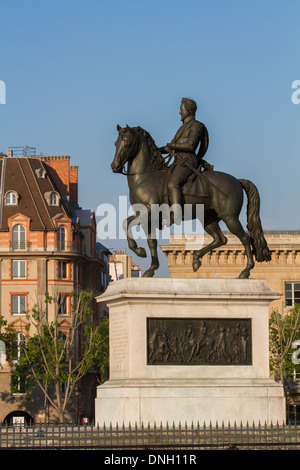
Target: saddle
x: 195, y: 185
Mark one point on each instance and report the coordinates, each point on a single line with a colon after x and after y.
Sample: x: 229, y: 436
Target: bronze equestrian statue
x: 188, y: 180
x: 183, y: 147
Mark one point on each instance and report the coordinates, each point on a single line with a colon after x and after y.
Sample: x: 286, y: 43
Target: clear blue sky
x: 75, y: 69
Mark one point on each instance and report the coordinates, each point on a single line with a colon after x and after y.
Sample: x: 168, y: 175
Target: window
x: 18, y: 304
x: 62, y: 270
x: 63, y: 304
x: 2, y: 353
x: 135, y: 273
x: 21, y: 341
x: 17, y: 347
x: 19, y: 237
x: 61, y: 237
x: 19, y: 384
x: 40, y: 172
x: 292, y: 293
x: 18, y: 269
x: 53, y: 199
x: 103, y: 280
x: 11, y: 199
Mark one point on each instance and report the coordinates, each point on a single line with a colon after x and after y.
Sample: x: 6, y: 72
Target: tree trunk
x: 282, y: 372
x: 61, y: 416
x: 60, y: 410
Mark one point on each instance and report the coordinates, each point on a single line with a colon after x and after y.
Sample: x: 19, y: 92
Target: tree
x: 9, y: 336
x: 284, y: 330
x: 55, y: 356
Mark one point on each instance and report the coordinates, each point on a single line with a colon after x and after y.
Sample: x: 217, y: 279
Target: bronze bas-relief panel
x: 201, y: 341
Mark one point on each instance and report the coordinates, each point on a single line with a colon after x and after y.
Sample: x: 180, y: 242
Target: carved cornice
x: 284, y: 247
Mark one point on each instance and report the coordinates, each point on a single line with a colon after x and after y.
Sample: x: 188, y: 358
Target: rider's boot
x: 175, y: 205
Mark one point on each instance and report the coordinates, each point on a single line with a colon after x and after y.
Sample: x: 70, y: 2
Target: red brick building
x: 47, y: 244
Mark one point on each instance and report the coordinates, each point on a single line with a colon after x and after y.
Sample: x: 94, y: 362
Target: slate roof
x: 20, y: 175
x: 85, y: 216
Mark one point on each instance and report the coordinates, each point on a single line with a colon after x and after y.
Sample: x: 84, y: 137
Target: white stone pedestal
x: 155, y: 387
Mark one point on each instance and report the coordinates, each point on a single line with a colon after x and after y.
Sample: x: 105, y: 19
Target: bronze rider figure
x: 183, y: 147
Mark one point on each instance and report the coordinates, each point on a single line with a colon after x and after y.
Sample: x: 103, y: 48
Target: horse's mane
x: 156, y: 157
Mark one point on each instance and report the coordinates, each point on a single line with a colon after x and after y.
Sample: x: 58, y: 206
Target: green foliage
x: 9, y: 336
x: 54, y: 356
x: 284, y: 330
x: 37, y: 362
x: 99, y: 356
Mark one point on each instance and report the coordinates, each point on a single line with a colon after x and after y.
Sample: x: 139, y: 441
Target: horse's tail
x: 257, y: 239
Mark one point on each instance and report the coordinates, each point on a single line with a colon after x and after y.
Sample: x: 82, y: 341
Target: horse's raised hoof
x: 244, y: 274
x: 141, y: 252
x: 196, y: 264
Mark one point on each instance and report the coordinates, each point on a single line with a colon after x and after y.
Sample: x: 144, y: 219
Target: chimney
x: 59, y: 169
x: 74, y: 183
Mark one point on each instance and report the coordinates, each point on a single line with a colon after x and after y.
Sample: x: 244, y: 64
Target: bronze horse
x: 147, y: 175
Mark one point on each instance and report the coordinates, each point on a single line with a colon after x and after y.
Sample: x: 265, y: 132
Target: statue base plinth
x: 189, y: 351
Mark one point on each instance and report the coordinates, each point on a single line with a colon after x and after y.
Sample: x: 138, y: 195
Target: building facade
x: 227, y: 261
x: 47, y: 244
x: 122, y: 266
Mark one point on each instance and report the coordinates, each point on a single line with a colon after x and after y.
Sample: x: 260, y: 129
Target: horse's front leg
x: 152, y: 243
x: 127, y: 225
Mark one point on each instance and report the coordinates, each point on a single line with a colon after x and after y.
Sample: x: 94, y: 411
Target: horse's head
x: 127, y: 145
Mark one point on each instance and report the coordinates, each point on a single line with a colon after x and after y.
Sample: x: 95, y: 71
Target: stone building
x: 282, y: 272
x: 47, y: 244
x: 122, y: 266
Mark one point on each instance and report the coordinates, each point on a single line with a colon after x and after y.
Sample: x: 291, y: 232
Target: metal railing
x: 70, y: 246
x: 20, y: 245
x: 174, y: 437
x: 61, y: 246
x: 23, y: 151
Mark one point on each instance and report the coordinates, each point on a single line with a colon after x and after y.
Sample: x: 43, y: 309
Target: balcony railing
x: 70, y: 246
x: 61, y: 245
x: 19, y: 245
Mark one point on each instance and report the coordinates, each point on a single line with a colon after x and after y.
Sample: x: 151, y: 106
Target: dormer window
x: 52, y: 198
x: 19, y: 237
x: 40, y: 173
x: 61, y: 238
x: 11, y: 198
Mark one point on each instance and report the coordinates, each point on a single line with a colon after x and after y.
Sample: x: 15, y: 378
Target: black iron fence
x: 146, y: 437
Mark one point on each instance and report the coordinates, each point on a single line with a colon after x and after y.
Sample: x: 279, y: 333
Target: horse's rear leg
x: 236, y: 228
x: 219, y: 239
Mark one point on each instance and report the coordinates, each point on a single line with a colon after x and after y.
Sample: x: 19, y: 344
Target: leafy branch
x: 57, y: 355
